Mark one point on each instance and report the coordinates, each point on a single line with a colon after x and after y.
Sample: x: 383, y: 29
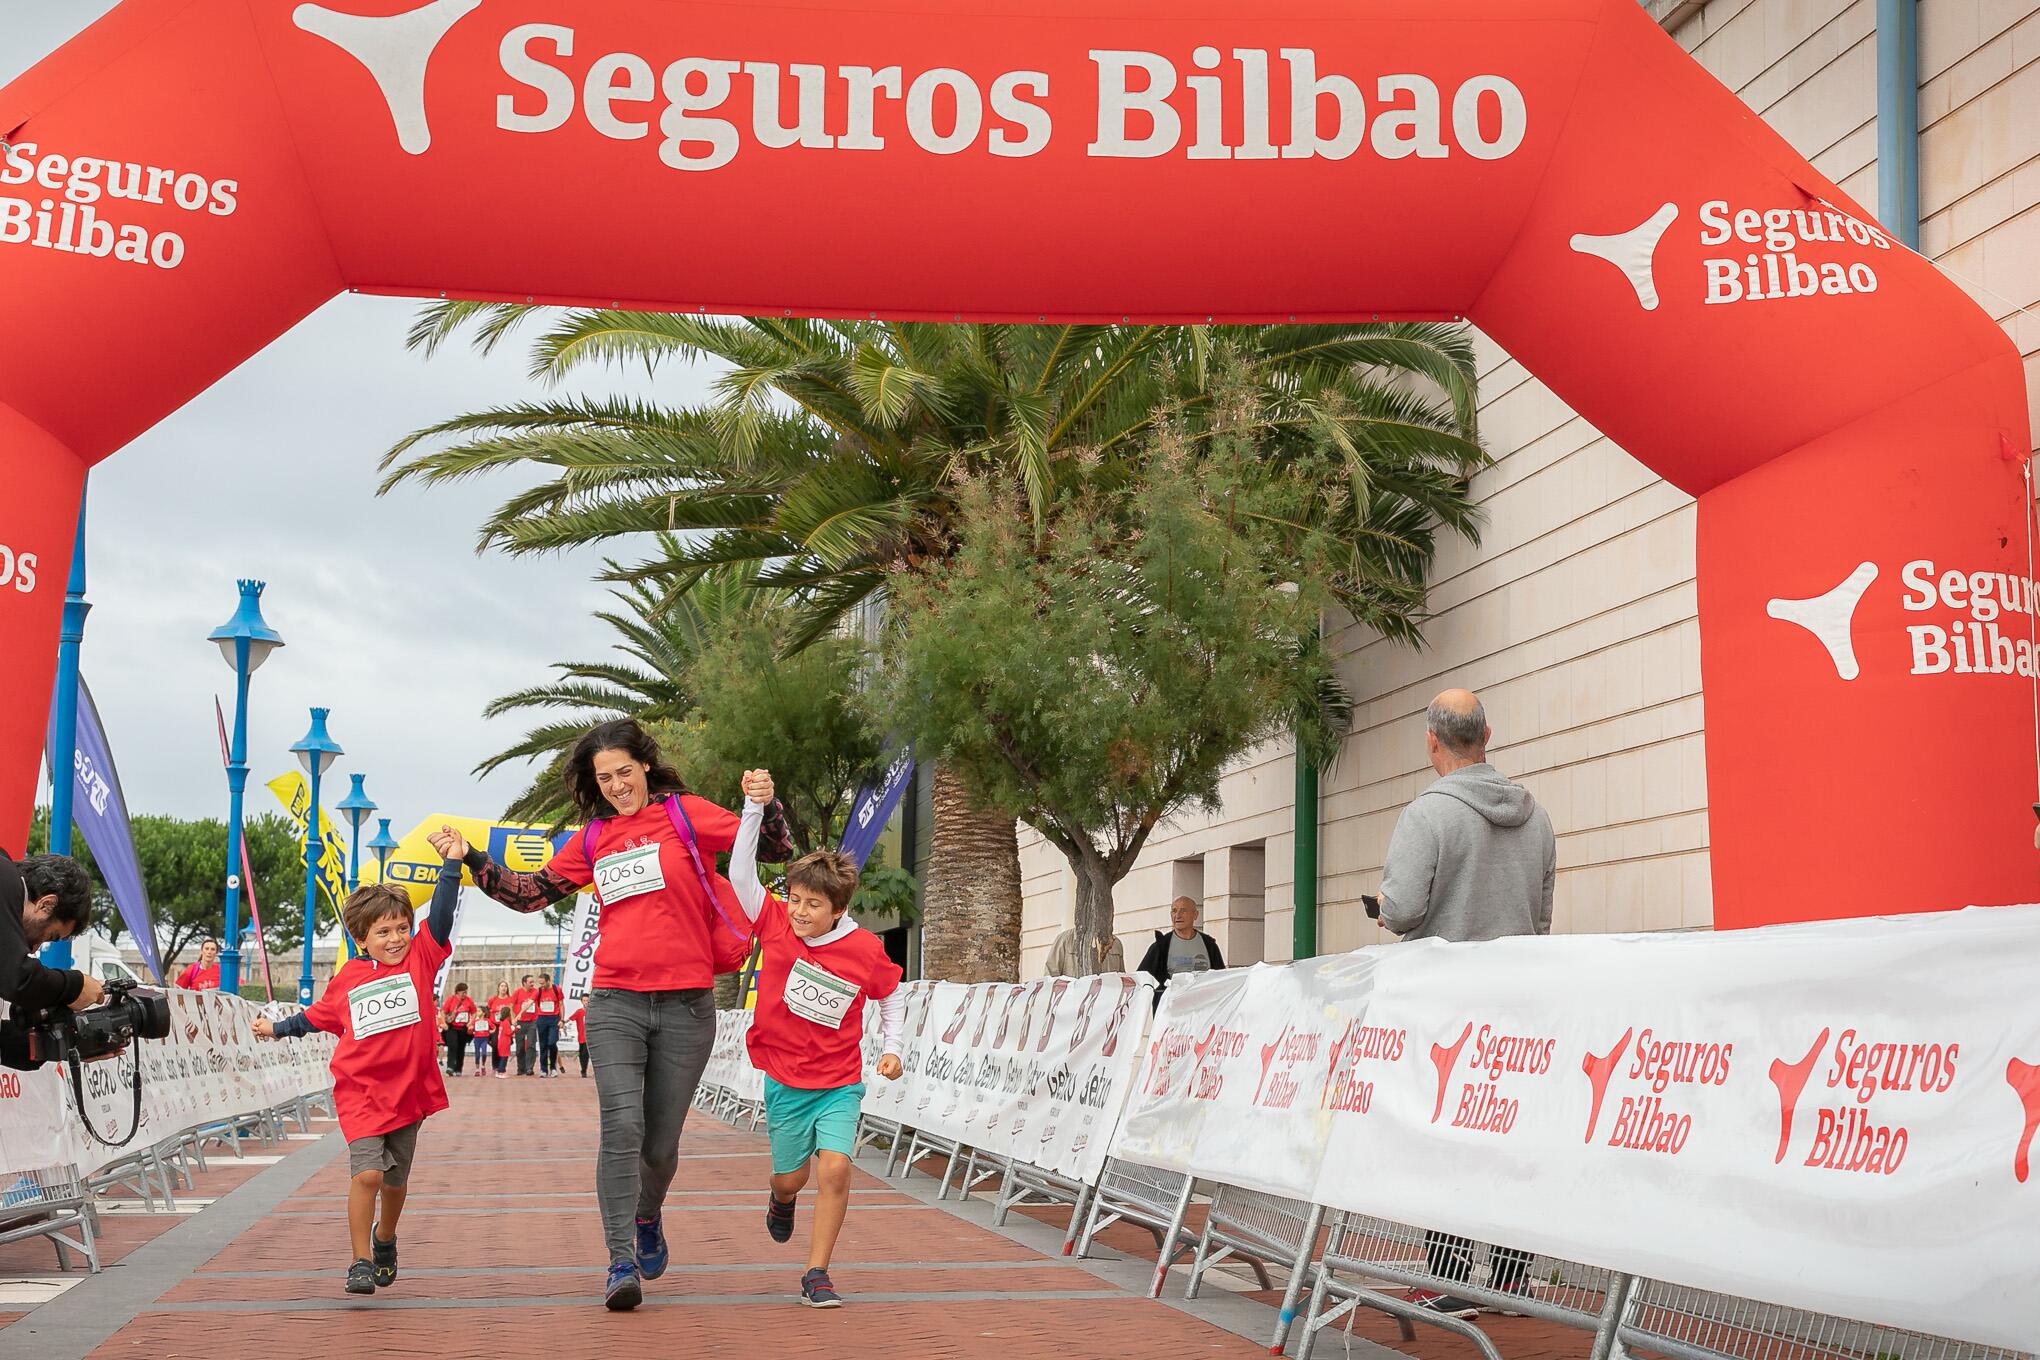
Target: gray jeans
x: 650, y: 1049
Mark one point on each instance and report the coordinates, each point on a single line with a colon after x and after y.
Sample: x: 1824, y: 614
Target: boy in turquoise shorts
x: 816, y: 968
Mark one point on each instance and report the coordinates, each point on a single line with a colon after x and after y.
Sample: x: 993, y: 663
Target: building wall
x: 1575, y: 617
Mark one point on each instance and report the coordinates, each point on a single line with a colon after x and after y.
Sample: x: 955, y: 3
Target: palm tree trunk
x: 970, y: 928
x: 729, y: 991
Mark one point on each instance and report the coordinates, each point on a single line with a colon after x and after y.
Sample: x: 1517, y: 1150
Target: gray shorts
x: 389, y: 1153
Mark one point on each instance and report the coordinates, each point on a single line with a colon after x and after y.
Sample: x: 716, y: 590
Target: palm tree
x: 658, y: 642
x: 829, y: 457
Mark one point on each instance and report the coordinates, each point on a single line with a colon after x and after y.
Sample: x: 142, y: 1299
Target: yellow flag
x: 296, y: 796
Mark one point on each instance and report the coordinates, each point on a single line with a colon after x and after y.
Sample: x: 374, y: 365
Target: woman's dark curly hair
x: 624, y: 735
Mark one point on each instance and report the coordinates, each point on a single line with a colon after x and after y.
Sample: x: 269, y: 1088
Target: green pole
x: 1304, y: 944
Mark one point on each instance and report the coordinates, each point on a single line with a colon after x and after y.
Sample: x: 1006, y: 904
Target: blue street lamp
x: 316, y: 752
x: 382, y: 845
x: 246, y: 642
x: 356, y: 806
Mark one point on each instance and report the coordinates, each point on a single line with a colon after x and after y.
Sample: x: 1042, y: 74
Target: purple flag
x: 102, y: 818
x: 874, y: 807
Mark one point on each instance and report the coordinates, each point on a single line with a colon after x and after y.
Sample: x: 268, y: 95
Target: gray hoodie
x: 1472, y: 858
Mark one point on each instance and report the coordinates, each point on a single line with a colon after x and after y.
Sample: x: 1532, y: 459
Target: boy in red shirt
x: 525, y: 1002
x: 386, y: 1066
x: 815, y: 970
x: 581, y: 1036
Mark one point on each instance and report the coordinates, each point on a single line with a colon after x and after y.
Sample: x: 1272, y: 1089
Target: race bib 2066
x: 378, y: 1007
x: 814, y: 993
x: 627, y: 874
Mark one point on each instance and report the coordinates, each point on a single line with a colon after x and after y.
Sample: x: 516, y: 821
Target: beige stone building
x: 1575, y: 618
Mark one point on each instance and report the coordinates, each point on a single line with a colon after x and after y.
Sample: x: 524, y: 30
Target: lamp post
x: 357, y: 806
x: 246, y: 642
x: 316, y: 752
x: 382, y: 845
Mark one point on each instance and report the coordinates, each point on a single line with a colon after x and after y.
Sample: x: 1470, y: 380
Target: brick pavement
x: 502, y: 1256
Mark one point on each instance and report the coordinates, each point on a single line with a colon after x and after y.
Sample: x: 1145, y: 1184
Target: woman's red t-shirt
x: 386, y: 1066
x: 655, y: 922
x: 200, y: 978
x: 459, y: 1010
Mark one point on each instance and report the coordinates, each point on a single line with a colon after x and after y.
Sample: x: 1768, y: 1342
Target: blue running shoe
x: 778, y: 1218
x: 624, y: 1292
x: 651, y: 1247
x: 817, y: 1292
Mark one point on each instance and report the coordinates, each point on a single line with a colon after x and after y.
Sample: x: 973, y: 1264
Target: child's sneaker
x: 817, y: 1292
x: 361, y: 1278
x: 385, y: 1259
x: 651, y: 1247
x: 778, y: 1218
x: 624, y: 1292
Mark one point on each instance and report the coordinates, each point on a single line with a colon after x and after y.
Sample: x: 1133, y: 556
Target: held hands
x: 264, y: 1029
x: 758, y: 786
x: 449, y: 843
x: 889, y: 1067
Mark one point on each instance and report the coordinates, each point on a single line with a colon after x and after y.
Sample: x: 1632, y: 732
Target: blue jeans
x: 650, y: 1049
x: 548, y: 1043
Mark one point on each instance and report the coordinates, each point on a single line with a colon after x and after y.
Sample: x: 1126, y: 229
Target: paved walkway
x: 502, y: 1256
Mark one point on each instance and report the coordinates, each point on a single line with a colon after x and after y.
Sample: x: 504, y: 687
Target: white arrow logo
x: 1831, y: 617
x: 396, y: 49
x: 1633, y: 252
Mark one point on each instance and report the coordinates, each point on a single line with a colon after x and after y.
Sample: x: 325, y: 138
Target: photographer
x: 43, y: 899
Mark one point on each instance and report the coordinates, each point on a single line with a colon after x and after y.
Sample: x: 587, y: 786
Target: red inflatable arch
x: 189, y: 178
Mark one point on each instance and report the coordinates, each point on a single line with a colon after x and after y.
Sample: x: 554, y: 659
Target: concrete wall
x: 1575, y: 618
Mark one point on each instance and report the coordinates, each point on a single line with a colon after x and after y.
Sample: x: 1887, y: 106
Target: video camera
x: 131, y: 1012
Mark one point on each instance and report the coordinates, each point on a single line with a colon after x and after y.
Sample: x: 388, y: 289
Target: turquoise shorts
x: 801, y: 1123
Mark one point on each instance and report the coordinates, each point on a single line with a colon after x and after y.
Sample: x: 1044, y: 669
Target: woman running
x: 649, y: 849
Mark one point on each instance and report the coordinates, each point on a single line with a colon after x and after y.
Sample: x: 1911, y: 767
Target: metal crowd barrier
x: 1025, y: 1184
x: 1157, y: 1200
x: 1363, y: 1248
x: 1347, y: 1261
x: 1262, y: 1230
x: 54, y: 1203
x: 1693, y: 1324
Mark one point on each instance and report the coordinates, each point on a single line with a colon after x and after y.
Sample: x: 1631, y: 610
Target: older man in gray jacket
x: 1472, y: 858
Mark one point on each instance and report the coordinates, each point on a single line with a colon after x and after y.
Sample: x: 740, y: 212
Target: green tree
x: 183, y: 867
x: 1096, y: 679
x: 831, y: 454
x: 796, y: 714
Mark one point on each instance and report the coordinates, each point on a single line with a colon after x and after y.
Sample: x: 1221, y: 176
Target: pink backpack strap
x: 588, y: 835
x: 684, y: 829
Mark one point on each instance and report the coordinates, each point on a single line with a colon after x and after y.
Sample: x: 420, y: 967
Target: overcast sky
x: 388, y: 616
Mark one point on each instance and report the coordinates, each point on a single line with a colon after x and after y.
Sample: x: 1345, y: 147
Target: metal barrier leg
x: 1204, y: 1257
x: 1311, y: 1321
x: 1297, y: 1269
x: 1084, y: 1198
x: 1607, y: 1338
x: 948, y: 1170
x: 1165, y: 1255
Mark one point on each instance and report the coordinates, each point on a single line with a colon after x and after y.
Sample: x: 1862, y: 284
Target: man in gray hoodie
x: 1473, y: 857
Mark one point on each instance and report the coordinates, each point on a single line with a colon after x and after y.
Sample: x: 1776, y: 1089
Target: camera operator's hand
x: 264, y: 1028
x: 91, y: 994
x: 108, y: 1056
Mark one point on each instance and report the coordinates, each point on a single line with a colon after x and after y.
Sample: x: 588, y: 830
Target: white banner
x: 1835, y: 1116
x: 1038, y: 1071
x: 210, y: 1068
x: 584, y: 931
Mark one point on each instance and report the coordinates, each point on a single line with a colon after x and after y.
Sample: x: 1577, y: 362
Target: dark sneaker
x: 651, y: 1247
x: 1444, y: 1305
x: 778, y: 1218
x: 817, y: 1292
x: 385, y: 1258
x: 361, y: 1278
x: 1521, y: 1289
x: 624, y: 1292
